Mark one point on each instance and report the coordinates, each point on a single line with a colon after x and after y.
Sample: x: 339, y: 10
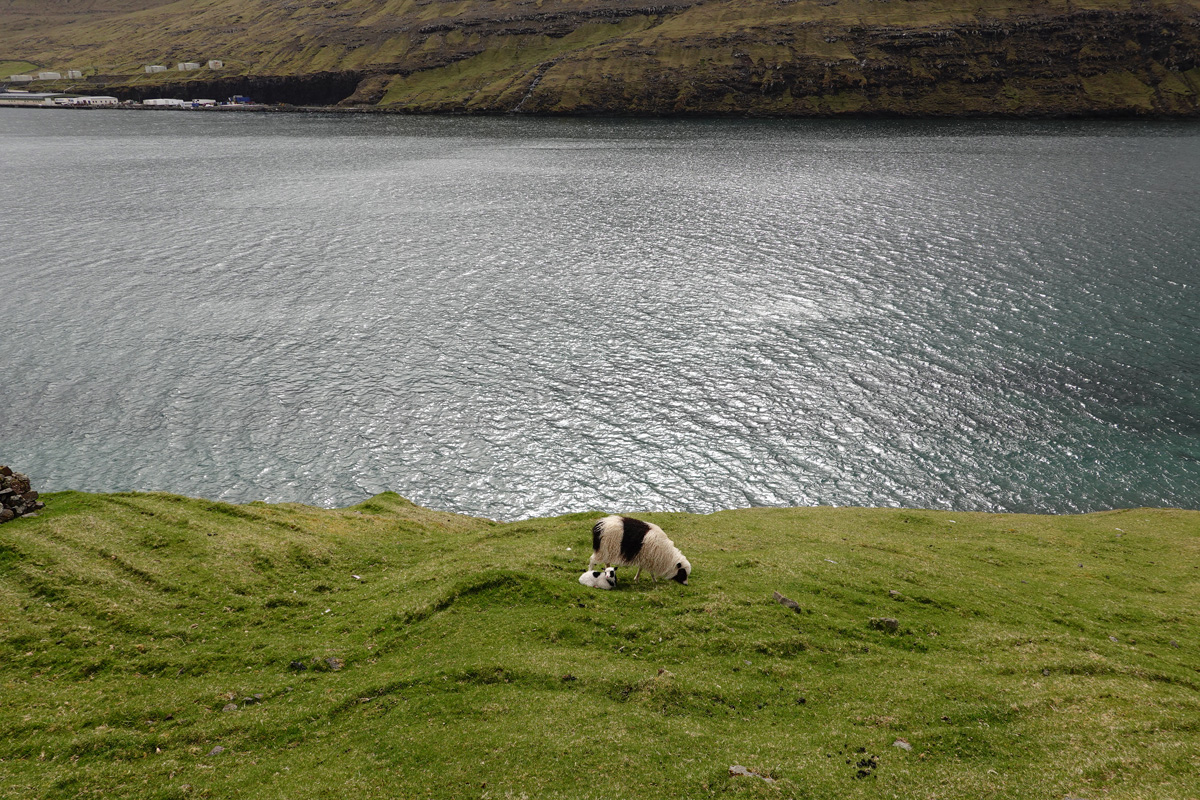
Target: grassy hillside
x: 159, y: 646
x: 802, y: 57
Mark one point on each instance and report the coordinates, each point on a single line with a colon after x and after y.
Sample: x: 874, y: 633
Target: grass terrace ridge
x: 158, y: 646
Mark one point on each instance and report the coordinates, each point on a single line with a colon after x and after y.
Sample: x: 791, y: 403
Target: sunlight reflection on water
x: 524, y: 317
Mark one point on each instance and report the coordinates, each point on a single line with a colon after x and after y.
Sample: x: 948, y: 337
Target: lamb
x: 600, y: 579
x: 626, y: 541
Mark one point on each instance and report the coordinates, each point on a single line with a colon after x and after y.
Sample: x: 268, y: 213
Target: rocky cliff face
x: 769, y: 57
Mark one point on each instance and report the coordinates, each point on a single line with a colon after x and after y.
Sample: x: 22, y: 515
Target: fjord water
x: 512, y: 317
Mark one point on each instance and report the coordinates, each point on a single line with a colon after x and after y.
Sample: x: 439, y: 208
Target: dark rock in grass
x: 331, y: 664
x: 216, y: 751
x: 786, y: 603
x: 885, y: 624
x: 297, y: 666
x: 6, y: 514
x: 5, y: 471
x: 1175, y: 644
x: 252, y: 699
x: 230, y: 707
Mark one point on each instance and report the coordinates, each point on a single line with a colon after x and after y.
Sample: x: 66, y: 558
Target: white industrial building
x: 155, y: 68
x: 20, y: 78
x: 94, y: 101
x: 73, y: 74
x: 165, y: 102
x: 49, y: 76
x: 23, y: 98
x: 186, y: 66
x: 215, y: 64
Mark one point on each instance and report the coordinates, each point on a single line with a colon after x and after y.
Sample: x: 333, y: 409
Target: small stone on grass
x: 738, y: 769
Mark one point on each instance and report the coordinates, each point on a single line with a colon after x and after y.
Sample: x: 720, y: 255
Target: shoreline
x: 395, y: 499
x: 1091, y: 115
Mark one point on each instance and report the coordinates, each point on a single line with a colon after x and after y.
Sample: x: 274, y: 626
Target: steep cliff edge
x: 770, y: 57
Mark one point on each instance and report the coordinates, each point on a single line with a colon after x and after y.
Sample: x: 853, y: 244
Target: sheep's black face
x: 681, y: 576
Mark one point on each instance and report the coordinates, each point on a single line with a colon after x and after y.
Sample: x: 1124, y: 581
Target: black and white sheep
x: 600, y: 579
x: 626, y: 541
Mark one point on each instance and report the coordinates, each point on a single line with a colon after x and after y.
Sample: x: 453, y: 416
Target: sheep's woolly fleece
x: 600, y: 579
x: 627, y: 541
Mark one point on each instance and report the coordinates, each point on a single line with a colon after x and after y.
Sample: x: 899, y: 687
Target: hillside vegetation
x: 777, y: 57
x: 158, y: 646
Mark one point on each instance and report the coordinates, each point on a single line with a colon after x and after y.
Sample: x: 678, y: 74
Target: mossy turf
x: 15, y: 67
x: 445, y: 656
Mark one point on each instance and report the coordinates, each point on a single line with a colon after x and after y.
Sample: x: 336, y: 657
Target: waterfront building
x: 94, y: 101
x: 23, y: 98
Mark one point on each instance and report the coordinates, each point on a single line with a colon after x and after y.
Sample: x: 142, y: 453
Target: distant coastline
x: 285, y: 108
x: 753, y: 58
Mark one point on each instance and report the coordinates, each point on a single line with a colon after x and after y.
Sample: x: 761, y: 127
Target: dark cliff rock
x: 318, y: 89
x: 1082, y: 64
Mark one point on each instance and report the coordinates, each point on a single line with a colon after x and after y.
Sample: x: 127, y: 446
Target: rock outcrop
x: 17, y: 497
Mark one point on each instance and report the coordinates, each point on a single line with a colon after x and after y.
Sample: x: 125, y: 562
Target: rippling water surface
x: 514, y: 317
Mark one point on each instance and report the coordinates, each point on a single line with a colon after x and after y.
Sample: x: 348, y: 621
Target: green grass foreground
x: 455, y: 657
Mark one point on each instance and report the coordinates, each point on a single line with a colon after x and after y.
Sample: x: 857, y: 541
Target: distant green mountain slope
x: 784, y: 57
x: 164, y: 647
